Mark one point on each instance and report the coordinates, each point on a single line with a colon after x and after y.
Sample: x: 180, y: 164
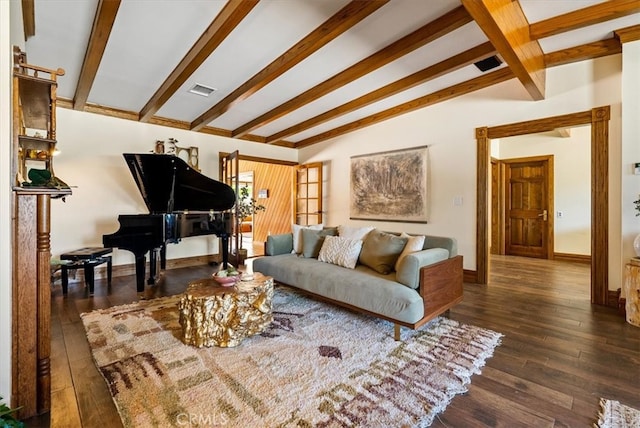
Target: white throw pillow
x: 353, y: 232
x: 296, y: 230
x: 415, y: 243
x: 340, y: 251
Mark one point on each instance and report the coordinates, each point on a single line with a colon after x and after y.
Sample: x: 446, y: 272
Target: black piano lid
x: 168, y: 184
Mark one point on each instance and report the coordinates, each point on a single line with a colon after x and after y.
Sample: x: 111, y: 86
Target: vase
x: 636, y: 245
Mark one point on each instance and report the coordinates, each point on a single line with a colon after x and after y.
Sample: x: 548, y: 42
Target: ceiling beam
x: 463, y: 88
x: 102, y: 25
x: 584, y: 52
x: 163, y: 121
x: 507, y: 28
x: 224, y: 23
x: 28, y: 18
x: 347, y: 17
x: 422, y: 36
x: 628, y: 34
x: 591, y: 15
x: 449, y: 65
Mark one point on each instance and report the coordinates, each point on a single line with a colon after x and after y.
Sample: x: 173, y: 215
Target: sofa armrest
x: 408, y: 272
x: 278, y: 244
x: 441, y: 286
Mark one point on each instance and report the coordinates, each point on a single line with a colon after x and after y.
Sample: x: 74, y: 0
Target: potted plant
x: 6, y: 417
x: 245, y: 207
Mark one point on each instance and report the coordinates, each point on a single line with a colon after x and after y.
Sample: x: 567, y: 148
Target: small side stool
x: 87, y: 258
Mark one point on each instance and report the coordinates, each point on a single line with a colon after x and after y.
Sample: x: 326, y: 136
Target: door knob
x: 543, y: 215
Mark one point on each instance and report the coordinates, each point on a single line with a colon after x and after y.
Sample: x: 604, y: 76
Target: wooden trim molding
x: 469, y: 276
x: 598, y: 118
x: 575, y: 258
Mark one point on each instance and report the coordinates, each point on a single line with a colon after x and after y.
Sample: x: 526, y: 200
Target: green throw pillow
x: 381, y: 250
x: 312, y: 241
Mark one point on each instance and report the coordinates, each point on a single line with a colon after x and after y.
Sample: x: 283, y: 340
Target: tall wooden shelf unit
x: 34, y: 141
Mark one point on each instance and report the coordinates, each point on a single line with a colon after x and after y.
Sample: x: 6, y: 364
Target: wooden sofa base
x: 440, y: 288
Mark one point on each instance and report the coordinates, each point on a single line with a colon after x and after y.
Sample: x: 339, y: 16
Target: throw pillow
x: 414, y: 243
x: 312, y: 241
x: 381, y: 250
x: 353, y: 232
x: 340, y: 251
x: 296, y: 230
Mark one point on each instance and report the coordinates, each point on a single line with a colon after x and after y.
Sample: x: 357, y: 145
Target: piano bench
x: 87, y: 258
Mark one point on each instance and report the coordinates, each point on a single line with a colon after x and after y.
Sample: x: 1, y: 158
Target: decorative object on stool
x: 316, y: 364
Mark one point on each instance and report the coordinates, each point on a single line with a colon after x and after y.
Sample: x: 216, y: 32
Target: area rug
x: 614, y: 414
x: 316, y: 365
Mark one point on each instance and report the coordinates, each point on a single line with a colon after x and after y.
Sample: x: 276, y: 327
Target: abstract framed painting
x: 390, y: 186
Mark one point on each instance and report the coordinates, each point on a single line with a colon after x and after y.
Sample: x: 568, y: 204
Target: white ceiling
x: 150, y: 37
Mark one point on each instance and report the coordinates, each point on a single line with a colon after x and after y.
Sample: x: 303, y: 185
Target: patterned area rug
x: 613, y: 414
x: 316, y: 365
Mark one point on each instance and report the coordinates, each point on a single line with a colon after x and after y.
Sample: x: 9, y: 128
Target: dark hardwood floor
x: 559, y: 353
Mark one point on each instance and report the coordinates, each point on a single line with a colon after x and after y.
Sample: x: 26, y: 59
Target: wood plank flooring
x: 559, y: 353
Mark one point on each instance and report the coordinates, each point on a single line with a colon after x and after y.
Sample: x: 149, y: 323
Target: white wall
x: 5, y: 198
x: 449, y: 129
x: 630, y: 190
x: 91, y: 158
x: 572, y: 182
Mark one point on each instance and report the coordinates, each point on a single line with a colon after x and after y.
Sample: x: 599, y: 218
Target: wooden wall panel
x: 277, y: 179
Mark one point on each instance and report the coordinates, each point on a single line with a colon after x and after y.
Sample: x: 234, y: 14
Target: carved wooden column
x: 482, y: 208
x: 32, y: 303
x: 600, y: 204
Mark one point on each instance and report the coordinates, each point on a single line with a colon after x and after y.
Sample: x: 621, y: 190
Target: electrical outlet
x: 560, y: 214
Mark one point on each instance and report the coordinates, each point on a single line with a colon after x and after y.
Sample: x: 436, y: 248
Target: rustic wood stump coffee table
x: 215, y: 315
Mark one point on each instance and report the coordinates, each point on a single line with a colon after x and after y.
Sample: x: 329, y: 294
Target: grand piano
x: 182, y: 203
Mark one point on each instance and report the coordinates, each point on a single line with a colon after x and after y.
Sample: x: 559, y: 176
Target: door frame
x: 598, y: 118
x: 548, y: 159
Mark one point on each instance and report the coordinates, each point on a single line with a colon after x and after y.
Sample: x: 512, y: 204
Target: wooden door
x: 497, y: 217
x: 528, y: 206
x: 230, y: 174
x: 307, y: 191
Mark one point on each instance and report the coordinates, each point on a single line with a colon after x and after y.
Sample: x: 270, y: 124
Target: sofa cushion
x: 414, y: 243
x: 296, y: 230
x: 312, y: 241
x: 380, y: 250
x: 353, y: 232
x: 340, y: 251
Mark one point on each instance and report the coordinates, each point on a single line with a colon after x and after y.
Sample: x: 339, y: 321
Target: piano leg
x: 163, y: 257
x: 153, y: 265
x: 225, y: 250
x: 140, y: 268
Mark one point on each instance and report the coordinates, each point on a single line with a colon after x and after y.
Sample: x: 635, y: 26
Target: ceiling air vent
x: 488, y: 64
x: 199, y: 89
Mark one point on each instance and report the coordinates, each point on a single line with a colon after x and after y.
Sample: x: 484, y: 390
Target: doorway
x: 598, y: 118
x: 522, y: 200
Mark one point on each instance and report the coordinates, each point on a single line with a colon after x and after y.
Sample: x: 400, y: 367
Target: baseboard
x: 576, y: 258
x: 469, y: 276
x: 130, y: 269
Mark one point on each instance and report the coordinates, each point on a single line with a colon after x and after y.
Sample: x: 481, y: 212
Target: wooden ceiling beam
x: 102, y: 25
x: 628, y: 34
x: 507, y: 28
x: 449, y: 65
x: 407, y: 44
x: 591, y: 15
x: 28, y: 18
x: 463, y: 88
x: 224, y: 23
x: 346, y: 18
x: 584, y: 52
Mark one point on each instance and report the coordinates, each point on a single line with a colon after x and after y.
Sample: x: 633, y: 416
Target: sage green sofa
x: 426, y: 284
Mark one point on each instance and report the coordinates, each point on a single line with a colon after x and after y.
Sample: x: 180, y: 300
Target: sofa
x: 405, y: 279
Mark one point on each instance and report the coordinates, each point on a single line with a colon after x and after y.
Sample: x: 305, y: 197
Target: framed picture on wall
x: 390, y: 186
